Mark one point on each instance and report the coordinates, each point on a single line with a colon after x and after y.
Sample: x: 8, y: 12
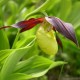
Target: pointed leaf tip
x: 62, y: 27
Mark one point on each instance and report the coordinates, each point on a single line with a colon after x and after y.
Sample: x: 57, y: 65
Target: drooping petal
x: 28, y: 24
x: 64, y: 28
x: 59, y: 41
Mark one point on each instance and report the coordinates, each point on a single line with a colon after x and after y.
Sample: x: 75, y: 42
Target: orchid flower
x: 45, y: 34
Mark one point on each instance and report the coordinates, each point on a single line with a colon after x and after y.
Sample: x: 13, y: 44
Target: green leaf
x: 40, y: 8
x: 65, y: 8
x: 2, y: 2
x: 4, y: 43
x: 19, y: 76
x: 32, y: 64
x: 74, y: 16
x: 35, y: 66
x: 12, y: 60
x: 4, y: 54
x: 13, y: 7
x: 26, y: 37
x: 49, y: 4
x: 24, y: 40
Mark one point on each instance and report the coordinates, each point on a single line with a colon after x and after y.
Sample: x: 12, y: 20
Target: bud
x: 47, y: 41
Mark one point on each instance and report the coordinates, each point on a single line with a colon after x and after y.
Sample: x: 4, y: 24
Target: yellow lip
x: 47, y: 41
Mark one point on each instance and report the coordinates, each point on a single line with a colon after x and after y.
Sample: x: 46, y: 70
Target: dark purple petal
x: 28, y: 24
x: 23, y: 24
x: 64, y: 28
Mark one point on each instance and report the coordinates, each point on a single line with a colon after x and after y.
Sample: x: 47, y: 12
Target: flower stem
x: 16, y: 39
x: 61, y: 72
x: 38, y: 9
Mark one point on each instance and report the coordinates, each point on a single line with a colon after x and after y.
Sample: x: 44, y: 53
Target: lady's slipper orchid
x: 55, y: 24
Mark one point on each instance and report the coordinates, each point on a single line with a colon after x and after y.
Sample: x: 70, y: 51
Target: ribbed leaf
x: 4, y: 54
x: 36, y: 66
x: 12, y: 60
x: 19, y: 76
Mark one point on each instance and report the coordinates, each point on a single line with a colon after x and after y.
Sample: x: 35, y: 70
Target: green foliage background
x: 22, y: 59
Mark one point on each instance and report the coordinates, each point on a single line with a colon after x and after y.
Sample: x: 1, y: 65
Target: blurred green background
x: 12, y: 11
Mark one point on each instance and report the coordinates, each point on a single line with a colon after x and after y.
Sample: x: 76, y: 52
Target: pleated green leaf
x: 35, y: 66
x: 12, y: 60
x: 4, y: 54
x: 19, y: 76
